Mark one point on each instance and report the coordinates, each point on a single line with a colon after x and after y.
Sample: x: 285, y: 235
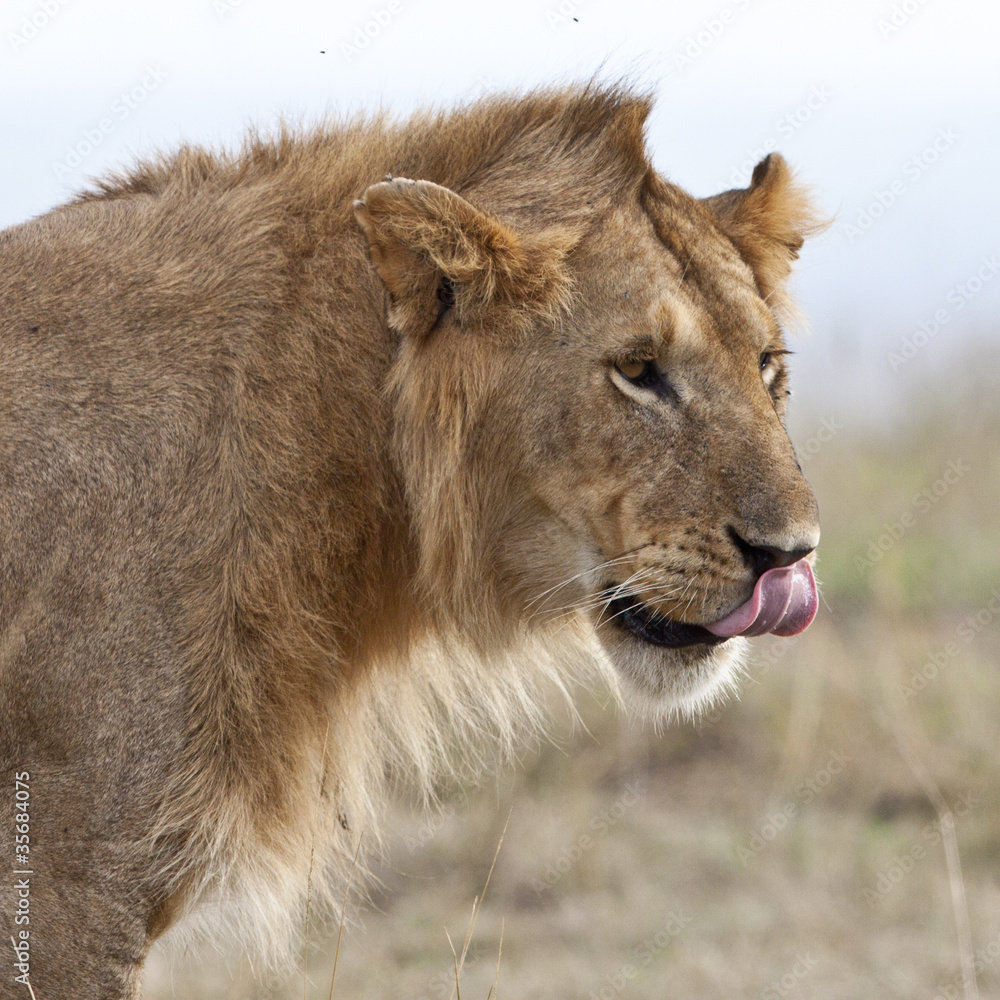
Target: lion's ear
x: 432, y: 248
x: 768, y: 221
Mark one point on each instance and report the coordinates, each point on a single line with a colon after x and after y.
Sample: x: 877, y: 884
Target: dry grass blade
x: 903, y: 728
x: 343, y: 914
x: 458, y: 989
x: 494, y: 989
x: 477, y: 904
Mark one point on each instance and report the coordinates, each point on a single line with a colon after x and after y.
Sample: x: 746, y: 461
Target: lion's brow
x: 669, y: 320
x: 640, y: 346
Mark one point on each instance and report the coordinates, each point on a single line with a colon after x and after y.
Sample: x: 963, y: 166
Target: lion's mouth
x: 784, y: 602
x: 632, y: 615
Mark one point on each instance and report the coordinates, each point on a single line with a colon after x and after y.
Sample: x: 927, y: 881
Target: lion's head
x: 590, y: 406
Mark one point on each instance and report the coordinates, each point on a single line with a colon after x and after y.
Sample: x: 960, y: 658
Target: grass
x: 789, y: 845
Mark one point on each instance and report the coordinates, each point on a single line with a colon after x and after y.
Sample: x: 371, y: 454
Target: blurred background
x: 835, y: 832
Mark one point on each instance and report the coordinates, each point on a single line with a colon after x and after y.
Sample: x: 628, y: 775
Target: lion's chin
x: 663, y: 681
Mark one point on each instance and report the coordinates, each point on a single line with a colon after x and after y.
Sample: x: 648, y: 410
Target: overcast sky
x: 891, y: 110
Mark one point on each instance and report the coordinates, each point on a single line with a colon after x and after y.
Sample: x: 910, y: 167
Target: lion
x: 325, y: 457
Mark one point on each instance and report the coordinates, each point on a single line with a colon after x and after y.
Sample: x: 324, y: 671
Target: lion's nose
x: 764, y: 554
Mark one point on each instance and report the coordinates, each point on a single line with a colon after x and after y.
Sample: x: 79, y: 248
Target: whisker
x: 625, y: 588
x: 604, y: 600
x: 620, y: 591
x: 608, y: 597
x: 595, y: 600
x: 624, y: 611
x: 691, y: 600
x: 614, y: 560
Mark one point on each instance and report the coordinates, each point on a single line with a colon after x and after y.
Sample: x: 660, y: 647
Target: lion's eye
x: 634, y: 370
x: 643, y: 374
x: 773, y: 374
x: 769, y: 359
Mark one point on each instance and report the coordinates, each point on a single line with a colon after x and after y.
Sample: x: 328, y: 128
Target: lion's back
x: 113, y: 390
x: 174, y: 431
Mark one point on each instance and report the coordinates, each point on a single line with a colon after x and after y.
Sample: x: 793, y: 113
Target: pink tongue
x: 784, y: 602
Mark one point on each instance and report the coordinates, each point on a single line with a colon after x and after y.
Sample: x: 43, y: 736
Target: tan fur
x: 317, y: 465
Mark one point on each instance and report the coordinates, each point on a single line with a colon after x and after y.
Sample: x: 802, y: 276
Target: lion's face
x: 621, y: 458
x: 652, y: 422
